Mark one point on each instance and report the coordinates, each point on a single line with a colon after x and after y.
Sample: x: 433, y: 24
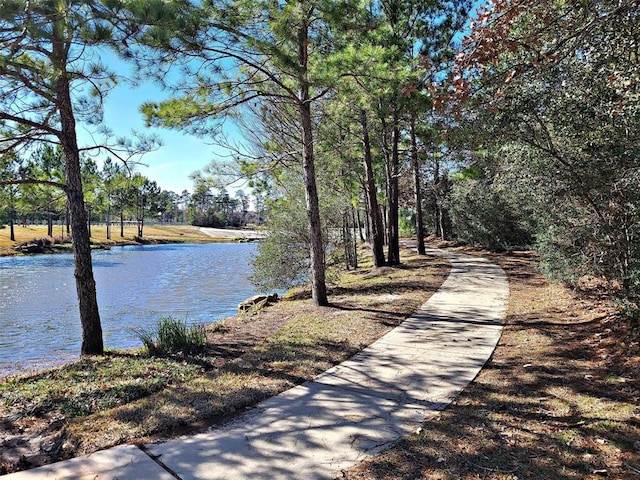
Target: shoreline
x: 209, y: 310
x: 37, y: 243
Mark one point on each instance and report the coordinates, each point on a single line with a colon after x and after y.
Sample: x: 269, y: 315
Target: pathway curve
x: 354, y: 409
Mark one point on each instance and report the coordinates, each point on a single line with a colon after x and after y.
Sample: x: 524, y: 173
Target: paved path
x: 354, y: 409
x: 232, y: 234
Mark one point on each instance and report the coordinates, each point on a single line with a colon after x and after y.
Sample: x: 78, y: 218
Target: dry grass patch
x: 558, y: 400
x: 248, y: 359
x: 151, y: 234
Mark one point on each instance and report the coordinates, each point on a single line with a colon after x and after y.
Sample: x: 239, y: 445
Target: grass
x: 89, y: 385
x: 172, y: 336
x: 151, y: 233
x: 123, y: 397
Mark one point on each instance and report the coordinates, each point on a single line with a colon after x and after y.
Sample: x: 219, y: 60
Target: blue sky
x: 179, y: 156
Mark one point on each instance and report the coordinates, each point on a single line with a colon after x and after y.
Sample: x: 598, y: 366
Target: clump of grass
x: 172, y: 336
x: 219, y: 326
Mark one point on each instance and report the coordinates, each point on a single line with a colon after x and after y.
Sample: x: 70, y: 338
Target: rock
x: 257, y: 302
x: 36, y: 247
x: 37, y: 460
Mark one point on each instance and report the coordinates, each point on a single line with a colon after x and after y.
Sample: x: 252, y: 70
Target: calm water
x: 39, y: 321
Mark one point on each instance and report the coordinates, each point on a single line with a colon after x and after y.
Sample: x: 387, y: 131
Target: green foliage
x: 172, y: 336
x: 482, y: 214
x: 630, y: 308
x: 559, y: 102
x: 407, y: 222
x: 559, y: 256
x: 282, y: 260
x: 472, y: 172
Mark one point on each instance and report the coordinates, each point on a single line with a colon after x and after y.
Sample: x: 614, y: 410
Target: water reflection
x: 39, y: 320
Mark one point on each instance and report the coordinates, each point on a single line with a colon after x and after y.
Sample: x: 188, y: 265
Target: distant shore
x: 152, y: 233
x: 232, y: 234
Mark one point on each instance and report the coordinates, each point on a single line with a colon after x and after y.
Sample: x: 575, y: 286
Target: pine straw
x: 560, y: 398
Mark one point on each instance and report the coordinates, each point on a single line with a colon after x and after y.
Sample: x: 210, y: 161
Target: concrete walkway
x: 232, y: 234
x: 354, y: 409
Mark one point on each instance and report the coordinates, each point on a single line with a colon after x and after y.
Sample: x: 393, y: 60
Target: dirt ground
x: 559, y: 399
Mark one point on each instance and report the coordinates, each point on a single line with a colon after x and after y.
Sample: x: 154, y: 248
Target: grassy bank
x: 151, y: 234
x: 124, y: 397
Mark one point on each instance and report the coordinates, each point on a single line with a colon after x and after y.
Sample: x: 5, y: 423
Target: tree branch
x: 34, y: 181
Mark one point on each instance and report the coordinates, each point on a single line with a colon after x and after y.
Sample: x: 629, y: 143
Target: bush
x: 630, y: 308
x: 282, y: 260
x: 482, y: 213
x: 172, y: 336
x: 406, y: 222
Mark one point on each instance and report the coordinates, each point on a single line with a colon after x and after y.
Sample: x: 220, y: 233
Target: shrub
x: 172, y: 336
x: 630, y: 308
x: 483, y: 213
x: 406, y: 222
x: 282, y: 260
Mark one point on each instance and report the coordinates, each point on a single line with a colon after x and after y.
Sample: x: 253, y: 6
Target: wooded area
x: 513, y: 125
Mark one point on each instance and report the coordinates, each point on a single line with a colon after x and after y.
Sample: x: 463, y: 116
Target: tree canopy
x: 509, y: 125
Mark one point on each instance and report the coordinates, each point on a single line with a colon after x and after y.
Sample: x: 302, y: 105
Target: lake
x: 39, y: 320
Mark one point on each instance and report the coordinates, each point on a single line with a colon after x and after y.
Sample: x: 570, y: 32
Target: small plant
x: 630, y: 308
x: 219, y: 326
x: 172, y: 336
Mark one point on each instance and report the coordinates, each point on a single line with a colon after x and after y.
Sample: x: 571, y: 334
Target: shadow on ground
x: 560, y: 399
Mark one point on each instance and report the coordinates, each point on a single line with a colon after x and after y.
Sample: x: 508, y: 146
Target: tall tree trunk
x: 417, y: 190
x: 316, y: 247
x: 385, y: 220
x: 393, y: 255
x: 12, y: 214
x: 367, y: 219
x: 356, y: 228
x: 359, y: 220
x: 49, y: 223
x: 88, y: 220
x: 139, y: 214
x: 109, y: 223
x: 92, y: 342
x: 346, y: 240
x: 373, y: 209
x: 436, y: 197
x: 12, y: 221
